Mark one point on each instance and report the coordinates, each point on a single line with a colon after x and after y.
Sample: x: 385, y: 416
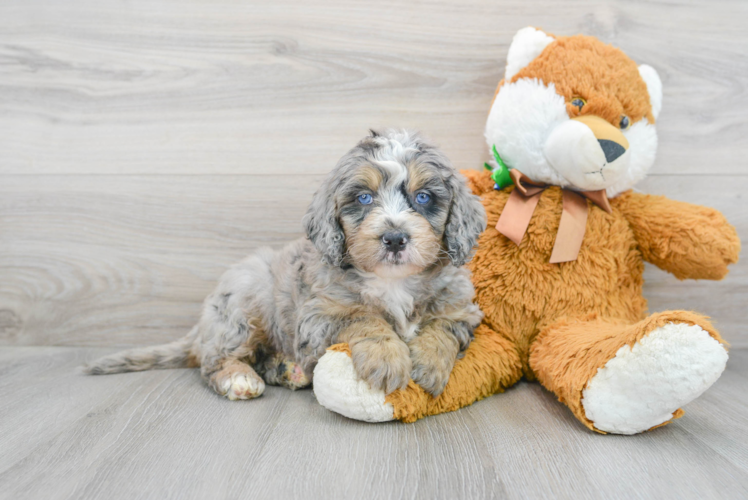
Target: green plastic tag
x: 500, y: 174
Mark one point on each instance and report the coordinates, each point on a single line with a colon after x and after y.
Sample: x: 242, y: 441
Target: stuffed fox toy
x: 558, y: 272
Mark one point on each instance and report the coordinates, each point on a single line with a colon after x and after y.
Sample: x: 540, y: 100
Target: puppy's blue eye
x: 422, y: 198
x: 364, y: 199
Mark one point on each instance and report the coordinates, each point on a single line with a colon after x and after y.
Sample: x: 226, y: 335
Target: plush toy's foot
x: 628, y: 378
x: 338, y: 388
x: 643, y: 386
x: 490, y: 365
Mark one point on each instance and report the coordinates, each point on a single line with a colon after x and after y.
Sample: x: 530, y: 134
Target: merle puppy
x: 388, y: 232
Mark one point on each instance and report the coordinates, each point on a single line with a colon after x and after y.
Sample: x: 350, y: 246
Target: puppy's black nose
x: 612, y: 150
x: 395, y: 241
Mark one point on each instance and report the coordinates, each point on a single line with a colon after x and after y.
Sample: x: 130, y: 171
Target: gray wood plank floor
x: 165, y: 435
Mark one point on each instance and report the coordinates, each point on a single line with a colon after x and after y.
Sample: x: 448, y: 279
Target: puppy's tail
x: 177, y: 354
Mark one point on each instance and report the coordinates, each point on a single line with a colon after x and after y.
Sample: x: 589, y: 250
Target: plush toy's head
x: 575, y: 112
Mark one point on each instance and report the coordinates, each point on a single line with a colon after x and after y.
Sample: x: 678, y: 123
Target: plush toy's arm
x: 689, y: 241
x: 490, y: 365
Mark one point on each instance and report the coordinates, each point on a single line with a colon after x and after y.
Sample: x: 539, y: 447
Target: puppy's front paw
x: 433, y: 358
x: 384, y: 362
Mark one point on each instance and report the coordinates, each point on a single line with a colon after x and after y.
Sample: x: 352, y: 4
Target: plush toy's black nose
x: 611, y: 149
x: 394, y: 241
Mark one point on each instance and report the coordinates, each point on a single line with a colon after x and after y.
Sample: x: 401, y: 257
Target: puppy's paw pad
x: 292, y: 375
x: 243, y: 386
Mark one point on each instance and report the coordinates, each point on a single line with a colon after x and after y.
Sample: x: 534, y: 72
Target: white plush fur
x: 654, y: 87
x: 527, y: 44
x: 574, y: 152
x: 521, y: 119
x: 338, y: 388
x: 642, y: 386
x: 642, y: 137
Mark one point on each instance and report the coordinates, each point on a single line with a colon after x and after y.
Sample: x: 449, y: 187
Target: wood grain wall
x: 147, y: 145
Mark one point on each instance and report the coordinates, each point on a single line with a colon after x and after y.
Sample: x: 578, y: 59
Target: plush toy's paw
x: 338, y: 388
x: 642, y: 387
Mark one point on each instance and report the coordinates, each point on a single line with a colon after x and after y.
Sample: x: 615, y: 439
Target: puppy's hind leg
x: 228, y: 343
x: 236, y: 380
x: 229, y: 374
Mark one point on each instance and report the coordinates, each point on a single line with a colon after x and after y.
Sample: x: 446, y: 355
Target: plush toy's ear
x: 526, y: 45
x: 654, y: 87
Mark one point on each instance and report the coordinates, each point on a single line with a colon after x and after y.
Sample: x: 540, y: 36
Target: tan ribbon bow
x: 521, y: 204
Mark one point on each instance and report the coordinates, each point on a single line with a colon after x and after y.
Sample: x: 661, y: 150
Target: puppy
x: 388, y: 232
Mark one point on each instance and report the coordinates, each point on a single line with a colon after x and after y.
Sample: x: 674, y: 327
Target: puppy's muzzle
x: 394, y: 241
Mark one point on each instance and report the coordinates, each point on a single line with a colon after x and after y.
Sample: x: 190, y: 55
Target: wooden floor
x: 149, y: 144
x: 165, y: 435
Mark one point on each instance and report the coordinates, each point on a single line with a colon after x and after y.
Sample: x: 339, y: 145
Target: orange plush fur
x: 560, y: 323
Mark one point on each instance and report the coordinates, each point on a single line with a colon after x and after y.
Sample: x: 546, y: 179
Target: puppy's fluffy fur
x: 388, y: 232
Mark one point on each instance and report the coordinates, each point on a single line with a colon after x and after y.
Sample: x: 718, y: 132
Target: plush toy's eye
x: 422, y: 198
x: 625, y: 122
x: 364, y: 199
x: 578, y: 102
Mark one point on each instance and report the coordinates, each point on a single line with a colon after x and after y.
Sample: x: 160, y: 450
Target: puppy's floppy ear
x: 466, y: 222
x: 321, y: 223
